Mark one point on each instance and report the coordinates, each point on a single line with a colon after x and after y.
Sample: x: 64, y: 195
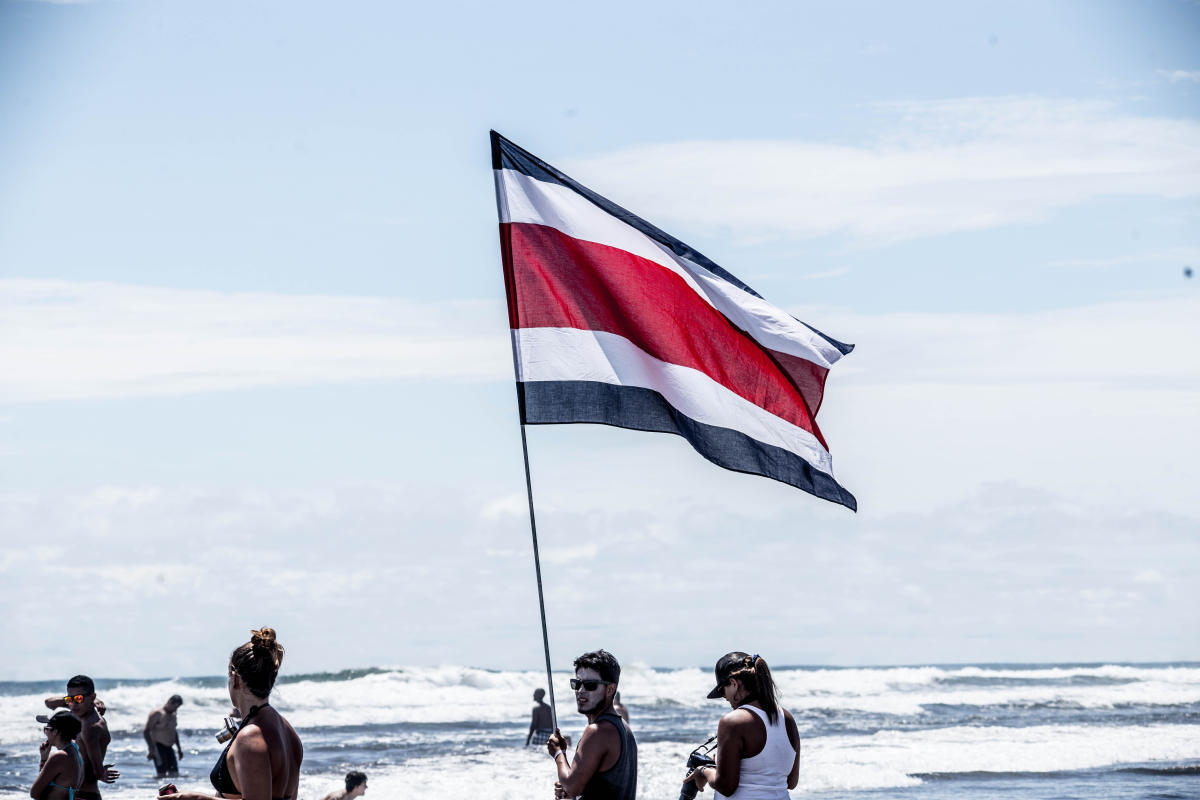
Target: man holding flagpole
x: 605, y: 763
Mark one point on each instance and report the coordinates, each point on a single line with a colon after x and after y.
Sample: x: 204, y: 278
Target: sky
x: 255, y: 367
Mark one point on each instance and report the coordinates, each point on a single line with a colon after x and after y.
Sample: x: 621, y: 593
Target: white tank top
x: 764, y: 776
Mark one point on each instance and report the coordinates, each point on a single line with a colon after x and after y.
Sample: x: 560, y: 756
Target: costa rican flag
x: 619, y: 323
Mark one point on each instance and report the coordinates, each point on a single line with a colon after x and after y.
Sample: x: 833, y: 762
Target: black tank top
x: 619, y: 782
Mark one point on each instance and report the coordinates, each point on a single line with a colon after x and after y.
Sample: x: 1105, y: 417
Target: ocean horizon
x: 1058, y: 730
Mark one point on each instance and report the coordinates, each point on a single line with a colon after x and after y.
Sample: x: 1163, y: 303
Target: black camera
x: 698, y: 758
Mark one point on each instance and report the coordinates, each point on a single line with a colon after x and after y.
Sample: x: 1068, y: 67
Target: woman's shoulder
x: 741, y: 715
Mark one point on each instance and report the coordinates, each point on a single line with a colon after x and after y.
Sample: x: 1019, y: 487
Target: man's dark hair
x: 354, y: 778
x: 176, y: 699
x: 82, y: 682
x: 604, y: 662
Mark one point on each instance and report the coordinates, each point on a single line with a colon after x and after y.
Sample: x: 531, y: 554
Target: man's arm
x: 91, y: 747
x: 177, y: 747
x: 95, y: 745
x: 596, y: 743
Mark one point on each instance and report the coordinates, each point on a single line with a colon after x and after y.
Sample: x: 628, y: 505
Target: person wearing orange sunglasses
x: 93, y: 736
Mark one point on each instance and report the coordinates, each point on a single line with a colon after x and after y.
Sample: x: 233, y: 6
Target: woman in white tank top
x: 758, y: 745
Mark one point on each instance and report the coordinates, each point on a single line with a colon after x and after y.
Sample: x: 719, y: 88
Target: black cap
x: 62, y: 721
x: 726, y: 666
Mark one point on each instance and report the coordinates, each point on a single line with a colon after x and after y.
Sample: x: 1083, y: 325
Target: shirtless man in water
x: 161, y: 735
x: 541, y: 723
x: 356, y: 786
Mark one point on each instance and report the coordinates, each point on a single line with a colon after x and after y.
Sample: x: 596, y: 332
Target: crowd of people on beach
x: 757, y: 750
x: 260, y: 762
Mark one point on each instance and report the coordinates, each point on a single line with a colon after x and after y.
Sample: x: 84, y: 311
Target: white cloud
x: 1173, y: 255
x: 1052, y: 580
x: 61, y: 339
x: 66, y: 340
x: 1098, y: 402
x: 1131, y: 345
x: 939, y: 168
x: 1181, y: 75
x: 1150, y: 576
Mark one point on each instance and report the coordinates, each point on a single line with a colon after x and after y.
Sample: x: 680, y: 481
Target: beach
x: 1120, y: 731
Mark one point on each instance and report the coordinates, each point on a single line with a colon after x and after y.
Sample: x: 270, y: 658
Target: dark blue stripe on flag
x: 556, y: 402
x: 506, y: 155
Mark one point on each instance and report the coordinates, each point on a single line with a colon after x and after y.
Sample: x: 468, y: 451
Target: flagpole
x: 537, y: 565
x: 511, y: 291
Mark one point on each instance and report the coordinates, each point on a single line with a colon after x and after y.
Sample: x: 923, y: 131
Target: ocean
x: 1060, y: 731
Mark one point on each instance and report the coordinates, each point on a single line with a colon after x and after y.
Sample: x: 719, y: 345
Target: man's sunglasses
x: 588, y: 686
x: 74, y: 698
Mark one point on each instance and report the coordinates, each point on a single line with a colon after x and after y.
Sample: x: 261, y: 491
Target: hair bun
x: 264, y: 638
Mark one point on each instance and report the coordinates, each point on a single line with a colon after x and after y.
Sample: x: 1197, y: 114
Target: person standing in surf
x: 758, y: 745
x: 161, y: 734
x: 605, y: 763
x: 541, y: 722
x: 262, y: 760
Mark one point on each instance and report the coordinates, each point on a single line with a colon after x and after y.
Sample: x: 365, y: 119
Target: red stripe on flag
x: 563, y: 282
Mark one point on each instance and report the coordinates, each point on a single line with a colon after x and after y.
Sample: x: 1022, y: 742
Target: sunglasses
x: 588, y: 686
x: 74, y: 698
x: 49, y: 728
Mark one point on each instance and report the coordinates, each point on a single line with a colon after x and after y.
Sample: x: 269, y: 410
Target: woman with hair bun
x: 758, y: 745
x: 262, y: 760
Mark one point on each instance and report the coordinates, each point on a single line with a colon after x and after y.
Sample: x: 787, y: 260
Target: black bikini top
x: 221, y: 780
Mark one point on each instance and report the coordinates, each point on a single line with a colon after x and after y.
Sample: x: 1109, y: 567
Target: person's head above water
x: 538, y: 694
x: 355, y: 780
x: 257, y: 662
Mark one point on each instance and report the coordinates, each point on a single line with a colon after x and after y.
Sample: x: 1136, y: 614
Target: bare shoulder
x: 97, y: 728
x: 599, y: 731
x: 737, y: 718
x: 251, y: 741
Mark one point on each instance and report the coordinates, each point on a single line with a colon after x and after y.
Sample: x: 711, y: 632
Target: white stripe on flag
x: 570, y: 354
x: 527, y: 200
x: 532, y: 201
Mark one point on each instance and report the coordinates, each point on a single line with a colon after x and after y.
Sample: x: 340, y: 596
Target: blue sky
x: 254, y: 362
